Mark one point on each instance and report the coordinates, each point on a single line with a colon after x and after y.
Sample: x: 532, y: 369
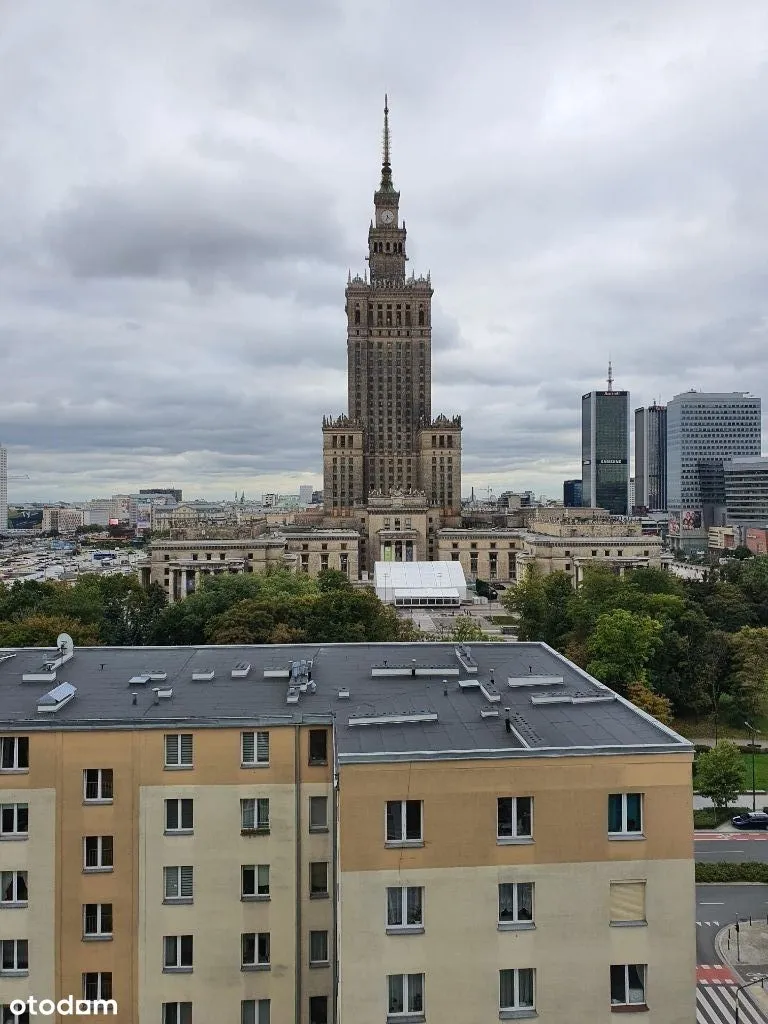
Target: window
x: 14, y: 821
x: 318, y: 746
x: 318, y: 814
x: 179, y: 816
x: 516, y: 989
x: 97, y: 920
x: 97, y: 853
x: 255, y: 748
x: 178, y: 884
x: 404, y: 821
x: 177, y: 953
x: 255, y: 1011
x: 255, y: 949
x: 254, y: 815
x: 406, y: 994
x: 7, y: 1016
x: 627, y: 903
x: 318, y: 1010
x: 13, y: 887
x: 318, y: 947
x: 625, y: 813
x: 14, y: 753
x: 515, y: 904
x: 177, y: 1013
x: 178, y: 751
x: 405, y: 908
x: 97, y: 785
x: 14, y: 956
x: 514, y: 817
x: 628, y: 984
x: 254, y: 881
x: 318, y: 879
x: 97, y: 985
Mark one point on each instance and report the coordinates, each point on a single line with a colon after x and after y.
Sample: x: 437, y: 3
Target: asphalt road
x: 720, y: 905
x: 734, y: 847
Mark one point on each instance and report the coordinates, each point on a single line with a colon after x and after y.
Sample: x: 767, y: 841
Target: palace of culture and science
x: 391, y: 472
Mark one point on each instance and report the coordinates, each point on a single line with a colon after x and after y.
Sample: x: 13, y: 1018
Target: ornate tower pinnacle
x: 386, y: 169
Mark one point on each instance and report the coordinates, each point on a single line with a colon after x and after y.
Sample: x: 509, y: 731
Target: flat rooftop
x: 400, y: 701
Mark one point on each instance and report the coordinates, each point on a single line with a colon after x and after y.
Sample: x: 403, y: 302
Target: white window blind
x: 627, y: 901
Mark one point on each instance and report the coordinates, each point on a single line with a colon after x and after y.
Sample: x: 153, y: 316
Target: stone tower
x: 388, y: 443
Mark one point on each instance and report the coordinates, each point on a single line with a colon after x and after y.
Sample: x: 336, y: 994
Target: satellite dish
x: 65, y: 643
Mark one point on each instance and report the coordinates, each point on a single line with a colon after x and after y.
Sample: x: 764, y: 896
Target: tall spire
x: 610, y: 375
x: 386, y: 169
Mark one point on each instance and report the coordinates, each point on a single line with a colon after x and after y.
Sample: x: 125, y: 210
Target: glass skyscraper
x: 605, y: 451
x: 651, y: 457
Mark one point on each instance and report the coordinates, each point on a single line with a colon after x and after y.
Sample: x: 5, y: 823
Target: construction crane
x: 25, y: 476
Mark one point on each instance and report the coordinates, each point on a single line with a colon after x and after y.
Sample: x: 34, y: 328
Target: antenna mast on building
x: 610, y: 375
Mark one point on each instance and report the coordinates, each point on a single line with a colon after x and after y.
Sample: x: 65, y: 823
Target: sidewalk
x: 742, y: 800
x: 752, y: 961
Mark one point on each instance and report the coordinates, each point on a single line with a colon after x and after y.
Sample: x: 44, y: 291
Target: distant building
x: 3, y: 488
x: 62, y: 520
x: 605, y: 449
x: 651, y: 458
x: 703, y: 431
x: 420, y: 584
x: 631, y: 493
x: 756, y: 540
x: 746, y: 491
x: 572, y: 493
x: 305, y: 494
x: 156, y: 492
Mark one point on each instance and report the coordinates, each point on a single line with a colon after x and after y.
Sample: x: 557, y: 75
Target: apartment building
x: 354, y: 833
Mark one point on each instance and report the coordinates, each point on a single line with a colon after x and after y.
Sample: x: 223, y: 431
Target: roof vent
x: 464, y: 656
x: 203, y: 675
x: 6, y: 657
x: 532, y: 680
x: 163, y: 692
x: 241, y: 670
x: 139, y: 680
x: 157, y: 675
x: 490, y: 692
x: 57, y: 697
x: 344, y: 693
x: 293, y: 695
x: 489, y: 712
x: 393, y: 719
x: 277, y: 672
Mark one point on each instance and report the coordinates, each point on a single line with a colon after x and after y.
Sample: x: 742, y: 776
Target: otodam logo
x: 67, y: 1007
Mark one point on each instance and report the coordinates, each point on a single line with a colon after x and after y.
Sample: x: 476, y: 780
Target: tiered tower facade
x: 388, y: 442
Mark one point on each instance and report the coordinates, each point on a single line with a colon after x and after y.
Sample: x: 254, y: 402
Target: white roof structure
x: 420, y: 583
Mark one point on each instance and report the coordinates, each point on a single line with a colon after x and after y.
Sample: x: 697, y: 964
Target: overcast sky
x: 185, y: 184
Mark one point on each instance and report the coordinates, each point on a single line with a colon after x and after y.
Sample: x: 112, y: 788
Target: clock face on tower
x: 387, y: 217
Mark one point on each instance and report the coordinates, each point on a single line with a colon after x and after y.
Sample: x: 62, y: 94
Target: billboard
x: 690, y: 519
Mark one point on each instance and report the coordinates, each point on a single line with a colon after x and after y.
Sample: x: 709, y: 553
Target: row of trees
x: 686, y: 647
x: 274, y: 607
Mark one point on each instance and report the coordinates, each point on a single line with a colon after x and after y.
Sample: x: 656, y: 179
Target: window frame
x: 257, y: 1017
x: 515, y: 837
x: 258, y: 964
x: 261, y: 822
x: 181, y: 897
x: 256, y: 761
x: 16, y: 744
x: 311, y: 1018
x: 516, y: 923
x: 313, y: 801
x: 405, y: 927
x: 100, y: 847
x: 625, y: 832
x: 14, y: 890
x: 180, y: 829
x: 255, y: 896
x: 321, y: 961
x: 182, y: 1013
x: 101, y: 779
x: 20, y: 946
x: 323, y: 893
x: 516, y: 1009
x: 8, y: 1017
x: 103, y: 985
x: 15, y: 834
x: 180, y: 764
x: 643, y: 968
x: 315, y: 760
x: 403, y: 841
x: 182, y: 944
x: 99, y: 933
x: 407, y: 1012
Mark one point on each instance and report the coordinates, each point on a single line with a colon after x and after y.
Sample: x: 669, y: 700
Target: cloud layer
x: 187, y: 184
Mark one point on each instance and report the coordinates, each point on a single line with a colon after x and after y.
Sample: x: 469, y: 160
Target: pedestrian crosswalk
x: 716, y: 1004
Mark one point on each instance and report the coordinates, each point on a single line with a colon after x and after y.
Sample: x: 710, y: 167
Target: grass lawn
x: 761, y: 772
x: 692, y: 728
x: 504, y: 620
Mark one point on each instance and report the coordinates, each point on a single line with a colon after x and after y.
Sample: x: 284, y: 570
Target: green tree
x: 558, y: 597
x: 642, y: 696
x: 720, y: 774
x: 621, y: 646
x: 526, y: 600
x: 747, y: 684
x: 465, y: 630
x: 43, y: 630
x: 332, y: 579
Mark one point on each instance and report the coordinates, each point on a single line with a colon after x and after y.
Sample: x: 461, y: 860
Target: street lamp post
x: 740, y: 989
x: 754, y: 732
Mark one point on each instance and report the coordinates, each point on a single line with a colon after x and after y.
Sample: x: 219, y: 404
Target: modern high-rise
x: 605, y: 449
x: 341, y: 834
x: 388, y: 441
x: 703, y: 431
x: 572, y: 493
x: 3, y: 488
x: 746, y: 491
x: 651, y: 457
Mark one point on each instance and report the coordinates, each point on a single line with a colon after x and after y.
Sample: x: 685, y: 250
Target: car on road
x: 752, y: 819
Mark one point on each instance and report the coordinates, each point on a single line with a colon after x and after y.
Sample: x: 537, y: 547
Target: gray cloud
x: 189, y: 189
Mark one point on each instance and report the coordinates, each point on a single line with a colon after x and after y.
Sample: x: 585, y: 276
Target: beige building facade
x: 304, y: 835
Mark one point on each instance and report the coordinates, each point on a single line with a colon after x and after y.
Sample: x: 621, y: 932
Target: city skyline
x: 177, y: 250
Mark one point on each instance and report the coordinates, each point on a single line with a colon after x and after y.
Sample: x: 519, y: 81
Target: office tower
x: 305, y: 494
x: 3, y: 488
x: 746, y: 491
x: 388, y: 442
x: 605, y: 449
x: 704, y: 430
x: 651, y: 457
x: 572, y: 493
x: 279, y: 834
